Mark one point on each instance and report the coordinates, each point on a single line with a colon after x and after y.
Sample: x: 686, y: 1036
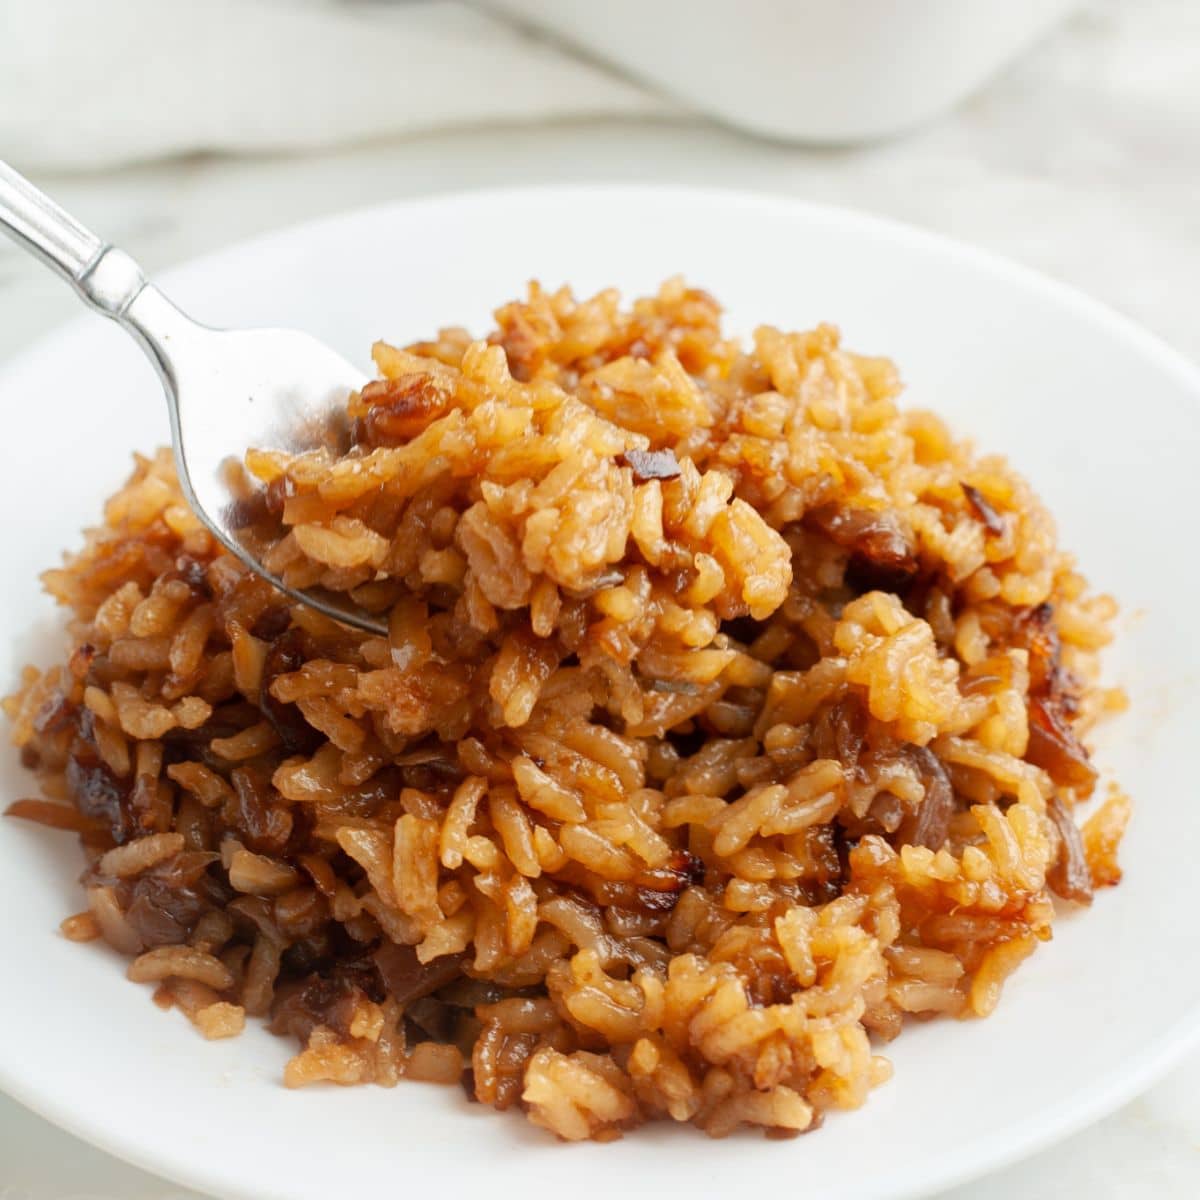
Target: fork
x: 227, y: 390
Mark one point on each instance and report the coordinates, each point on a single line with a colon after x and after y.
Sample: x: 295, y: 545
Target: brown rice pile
x: 729, y: 716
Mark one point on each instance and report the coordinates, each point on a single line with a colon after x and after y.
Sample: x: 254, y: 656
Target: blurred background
x: 1062, y: 133
x: 1065, y: 133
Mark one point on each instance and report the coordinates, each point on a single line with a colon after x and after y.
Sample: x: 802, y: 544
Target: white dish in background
x: 1102, y: 417
x: 824, y: 71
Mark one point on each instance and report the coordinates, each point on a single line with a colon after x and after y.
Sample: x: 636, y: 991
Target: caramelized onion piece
x: 301, y: 1005
x: 400, y: 408
x: 166, y: 903
x: 98, y: 793
x: 263, y: 826
x: 881, y: 556
x: 931, y: 826
x: 840, y: 730
x: 1054, y: 747
x: 408, y: 979
x: 993, y: 522
x: 285, y: 656
x: 52, y: 815
x: 1037, y: 633
x: 659, y: 890
x: 1070, y: 875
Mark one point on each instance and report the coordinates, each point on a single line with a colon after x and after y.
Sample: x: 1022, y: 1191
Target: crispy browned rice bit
x: 728, y: 715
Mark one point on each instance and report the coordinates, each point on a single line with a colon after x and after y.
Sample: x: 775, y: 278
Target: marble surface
x: 1083, y: 161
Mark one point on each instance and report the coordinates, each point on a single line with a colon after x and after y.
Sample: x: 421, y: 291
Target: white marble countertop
x: 1082, y: 161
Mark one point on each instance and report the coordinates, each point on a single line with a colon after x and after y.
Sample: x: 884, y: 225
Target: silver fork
x: 227, y: 390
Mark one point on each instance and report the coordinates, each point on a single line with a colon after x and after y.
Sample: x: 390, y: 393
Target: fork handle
x: 105, y: 277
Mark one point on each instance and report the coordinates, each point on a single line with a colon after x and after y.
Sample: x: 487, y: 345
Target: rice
x: 730, y: 716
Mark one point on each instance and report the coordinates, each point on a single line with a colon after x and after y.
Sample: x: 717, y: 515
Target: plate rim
x: 969, y: 1161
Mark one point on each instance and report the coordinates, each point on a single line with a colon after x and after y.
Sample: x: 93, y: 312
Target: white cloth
x: 97, y: 83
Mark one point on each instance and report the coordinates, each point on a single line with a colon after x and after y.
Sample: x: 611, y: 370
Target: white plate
x: 1101, y: 416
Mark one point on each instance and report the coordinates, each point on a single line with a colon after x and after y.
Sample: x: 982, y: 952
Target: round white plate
x: 1102, y: 417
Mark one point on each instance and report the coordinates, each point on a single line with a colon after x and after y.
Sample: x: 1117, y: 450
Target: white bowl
x: 822, y: 71
x: 1102, y: 417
